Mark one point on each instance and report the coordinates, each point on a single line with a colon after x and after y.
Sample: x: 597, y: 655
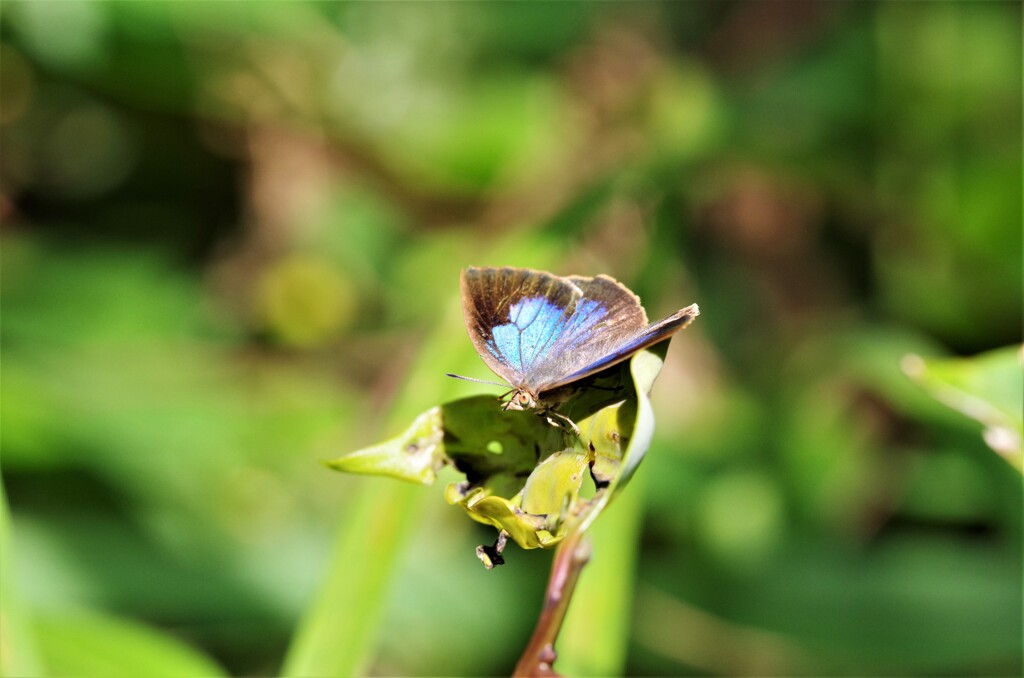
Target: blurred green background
x: 231, y: 242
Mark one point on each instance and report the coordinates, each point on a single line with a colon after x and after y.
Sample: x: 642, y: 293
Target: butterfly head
x: 522, y: 399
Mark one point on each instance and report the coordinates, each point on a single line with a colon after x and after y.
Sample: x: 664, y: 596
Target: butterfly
x: 539, y: 331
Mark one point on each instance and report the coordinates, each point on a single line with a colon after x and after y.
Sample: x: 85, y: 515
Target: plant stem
x: 539, y: 656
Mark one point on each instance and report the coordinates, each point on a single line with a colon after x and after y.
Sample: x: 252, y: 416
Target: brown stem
x: 539, y: 656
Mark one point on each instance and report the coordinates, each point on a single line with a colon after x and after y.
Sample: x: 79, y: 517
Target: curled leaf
x: 526, y: 472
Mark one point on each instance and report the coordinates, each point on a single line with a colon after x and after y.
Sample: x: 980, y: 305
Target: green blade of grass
x: 18, y: 652
x: 595, y: 637
x: 340, y: 627
x: 338, y: 632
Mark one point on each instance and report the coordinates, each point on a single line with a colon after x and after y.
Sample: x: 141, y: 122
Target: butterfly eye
x: 524, y: 399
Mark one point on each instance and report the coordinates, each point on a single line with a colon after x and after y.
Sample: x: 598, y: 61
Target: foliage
x: 986, y: 388
x: 525, y: 474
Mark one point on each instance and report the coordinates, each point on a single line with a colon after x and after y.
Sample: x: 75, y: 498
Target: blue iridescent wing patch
x: 539, y: 331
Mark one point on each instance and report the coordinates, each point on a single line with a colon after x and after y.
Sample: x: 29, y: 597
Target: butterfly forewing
x: 605, y: 317
x: 626, y: 347
x: 514, y: 315
x: 541, y: 331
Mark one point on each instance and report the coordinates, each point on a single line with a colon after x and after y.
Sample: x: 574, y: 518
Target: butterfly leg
x: 560, y: 421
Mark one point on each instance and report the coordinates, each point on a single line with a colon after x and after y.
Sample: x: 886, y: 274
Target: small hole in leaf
x: 495, y: 447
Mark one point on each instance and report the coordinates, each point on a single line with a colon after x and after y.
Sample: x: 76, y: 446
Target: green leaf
x: 988, y: 388
x: 525, y: 470
x: 18, y: 646
x: 414, y: 455
x: 634, y: 427
x: 91, y: 644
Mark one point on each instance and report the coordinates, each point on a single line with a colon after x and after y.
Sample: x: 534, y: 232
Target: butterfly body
x: 539, y: 331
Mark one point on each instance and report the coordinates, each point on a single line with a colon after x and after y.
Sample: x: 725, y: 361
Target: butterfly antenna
x: 478, y: 381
